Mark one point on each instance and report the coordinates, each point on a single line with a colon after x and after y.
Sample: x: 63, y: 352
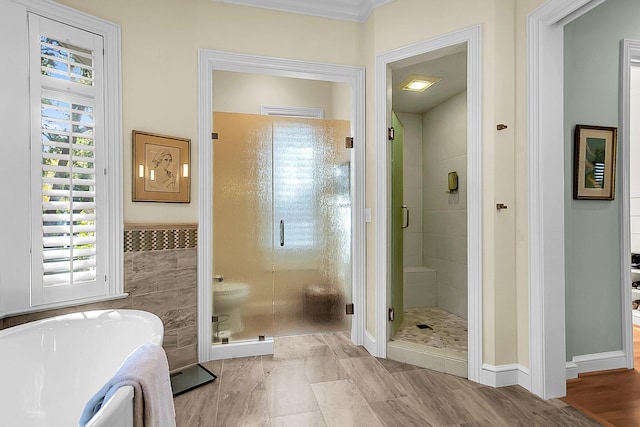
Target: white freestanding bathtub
x: 50, y: 368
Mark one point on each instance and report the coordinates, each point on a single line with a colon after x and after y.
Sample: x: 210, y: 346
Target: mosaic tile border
x: 158, y: 237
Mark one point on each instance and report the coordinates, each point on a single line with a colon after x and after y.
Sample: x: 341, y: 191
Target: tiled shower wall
x: 160, y: 276
x: 445, y: 214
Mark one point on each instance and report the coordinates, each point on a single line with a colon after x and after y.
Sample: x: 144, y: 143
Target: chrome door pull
x: 405, y: 208
x: 281, y: 232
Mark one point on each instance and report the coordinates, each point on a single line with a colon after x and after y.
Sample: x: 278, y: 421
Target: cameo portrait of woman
x: 161, y: 168
x: 162, y: 173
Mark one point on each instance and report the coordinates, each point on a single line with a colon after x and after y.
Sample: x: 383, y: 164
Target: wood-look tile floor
x: 324, y: 380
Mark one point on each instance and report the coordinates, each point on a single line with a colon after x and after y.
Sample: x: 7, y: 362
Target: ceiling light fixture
x: 415, y: 83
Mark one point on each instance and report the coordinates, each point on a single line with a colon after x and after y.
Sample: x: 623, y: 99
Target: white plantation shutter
x: 68, y: 192
x: 67, y: 163
x: 62, y: 224
x: 66, y: 62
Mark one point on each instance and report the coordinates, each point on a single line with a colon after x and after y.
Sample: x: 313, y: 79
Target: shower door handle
x: 281, y: 232
x: 405, y: 208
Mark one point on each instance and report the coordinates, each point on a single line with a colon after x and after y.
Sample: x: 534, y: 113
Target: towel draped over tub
x: 147, y: 371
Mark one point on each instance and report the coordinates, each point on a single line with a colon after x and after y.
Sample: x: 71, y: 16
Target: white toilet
x: 228, y: 298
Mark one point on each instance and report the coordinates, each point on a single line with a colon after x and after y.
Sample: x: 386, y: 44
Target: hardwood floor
x: 324, y: 380
x: 610, y: 397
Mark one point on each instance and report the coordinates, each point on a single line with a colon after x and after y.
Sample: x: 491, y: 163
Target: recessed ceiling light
x: 415, y: 83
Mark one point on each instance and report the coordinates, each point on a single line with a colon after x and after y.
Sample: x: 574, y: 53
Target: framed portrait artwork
x: 161, y: 168
x: 594, y: 162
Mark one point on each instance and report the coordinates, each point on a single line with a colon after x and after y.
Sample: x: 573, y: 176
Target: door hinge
x: 391, y: 134
x: 392, y: 314
x: 350, y: 308
x: 348, y: 142
x: 214, y: 135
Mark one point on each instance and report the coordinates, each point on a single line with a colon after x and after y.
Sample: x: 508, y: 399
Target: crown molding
x: 345, y: 10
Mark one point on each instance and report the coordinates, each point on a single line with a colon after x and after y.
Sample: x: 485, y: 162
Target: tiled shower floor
x: 449, y: 332
x: 442, y: 348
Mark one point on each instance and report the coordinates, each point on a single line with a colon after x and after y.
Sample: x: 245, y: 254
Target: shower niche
x: 281, y: 227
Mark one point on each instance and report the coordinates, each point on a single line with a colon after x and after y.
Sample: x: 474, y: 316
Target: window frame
x: 15, y: 286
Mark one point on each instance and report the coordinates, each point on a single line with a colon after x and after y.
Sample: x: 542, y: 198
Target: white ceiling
x: 450, y: 64
x: 347, y: 10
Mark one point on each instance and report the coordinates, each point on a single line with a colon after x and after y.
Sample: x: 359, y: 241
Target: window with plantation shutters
x: 62, y: 143
x: 68, y: 192
x: 68, y: 167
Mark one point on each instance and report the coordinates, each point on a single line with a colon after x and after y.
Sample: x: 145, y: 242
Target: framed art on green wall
x: 594, y: 162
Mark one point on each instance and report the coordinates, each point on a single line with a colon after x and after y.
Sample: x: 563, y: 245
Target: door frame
x: 208, y: 61
x: 630, y: 58
x: 545, y: 68
x: 471, y: 36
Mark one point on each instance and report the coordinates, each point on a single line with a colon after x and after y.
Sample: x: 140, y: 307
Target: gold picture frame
x: 594, y: 162
x: 161, y: 168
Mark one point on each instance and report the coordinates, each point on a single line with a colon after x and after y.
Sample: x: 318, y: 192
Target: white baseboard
x: 241, y: 349
x: 572, y: 370
x: 596, y: 362
x: 505, y: 375
x: 370, y: 343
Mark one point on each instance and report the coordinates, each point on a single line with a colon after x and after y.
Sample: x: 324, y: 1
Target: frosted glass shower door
x: 281, y: 227
x: 312, y: 227
x: 242, y: 228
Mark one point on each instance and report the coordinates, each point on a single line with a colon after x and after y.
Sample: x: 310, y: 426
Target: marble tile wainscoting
x: 160, y: 276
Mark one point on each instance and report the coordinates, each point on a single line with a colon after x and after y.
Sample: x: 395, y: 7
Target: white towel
x: 147, y: 371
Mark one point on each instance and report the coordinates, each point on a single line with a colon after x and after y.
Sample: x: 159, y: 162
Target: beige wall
x: 160, y: 47
x: 160, y: 42
x: 402, y: 23
x: 245, y: 93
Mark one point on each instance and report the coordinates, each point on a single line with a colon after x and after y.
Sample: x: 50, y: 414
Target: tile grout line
x: 266, y: 389
x: 215, y: 418
x: 504, y: 406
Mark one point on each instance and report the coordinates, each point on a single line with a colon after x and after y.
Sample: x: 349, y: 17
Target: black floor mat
x: 189, y: 378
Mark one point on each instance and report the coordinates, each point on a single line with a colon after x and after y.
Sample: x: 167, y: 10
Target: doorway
x: 211, y: 61
x: 385, y: 66
x: 429, y: 212
x: 281, y: 224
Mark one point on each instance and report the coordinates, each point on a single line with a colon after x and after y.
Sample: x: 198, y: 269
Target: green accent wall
x: 592, y: 228
x: 397, y: 269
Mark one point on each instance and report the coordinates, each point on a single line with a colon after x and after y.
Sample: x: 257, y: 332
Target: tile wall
x: 444, y: 213
x: 160, y: 276
x: 412, y: 187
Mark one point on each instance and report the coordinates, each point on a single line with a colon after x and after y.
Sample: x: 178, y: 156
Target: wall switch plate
x: 367, y: 215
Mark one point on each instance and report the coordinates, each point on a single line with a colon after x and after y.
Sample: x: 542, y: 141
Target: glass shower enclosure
x: 281, y: 227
